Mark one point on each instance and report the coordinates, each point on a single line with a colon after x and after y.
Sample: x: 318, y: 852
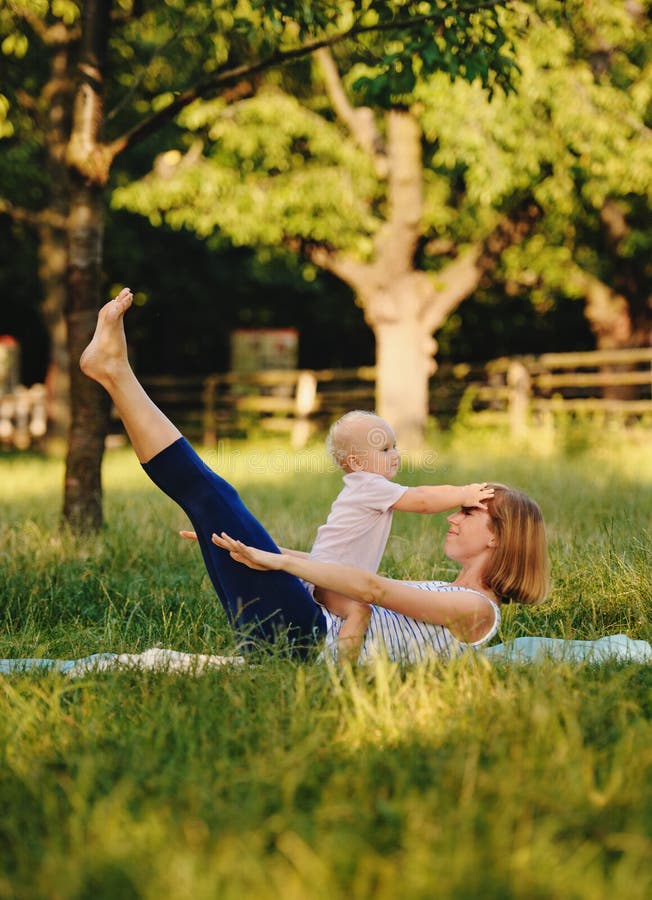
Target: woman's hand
x: 301, y: 554
x: 262, y: 560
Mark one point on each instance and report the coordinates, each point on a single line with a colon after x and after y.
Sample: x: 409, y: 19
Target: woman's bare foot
x: 106, y: 355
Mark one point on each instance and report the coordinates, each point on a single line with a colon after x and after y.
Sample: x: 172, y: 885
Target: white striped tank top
x: 404, y: 639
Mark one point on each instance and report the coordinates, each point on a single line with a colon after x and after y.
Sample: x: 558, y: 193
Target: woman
x: 501, y: 550
x: 503, y: 556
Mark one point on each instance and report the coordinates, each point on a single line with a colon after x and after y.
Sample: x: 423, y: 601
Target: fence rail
x: 295, y: 401
x: 520, y: 392
x: 534, y: 391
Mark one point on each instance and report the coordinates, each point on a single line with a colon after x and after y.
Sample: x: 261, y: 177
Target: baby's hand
x: 189, y: 535
x: 474, y: 494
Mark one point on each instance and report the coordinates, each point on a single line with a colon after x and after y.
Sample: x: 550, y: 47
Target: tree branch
x: 33, y: 218
x: 606, y: 310
x: 359, y: 120
x: 58, y: 33
x: 460, y: 278
x: 350, y: 271
x: 37, y: 24
x: 25, y: 100
x: 614, y: 220
x: 218, y: 80
x: 449, y: 287
x: 158, y: 51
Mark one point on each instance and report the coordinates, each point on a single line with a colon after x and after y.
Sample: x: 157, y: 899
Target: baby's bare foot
x: 107, y: 352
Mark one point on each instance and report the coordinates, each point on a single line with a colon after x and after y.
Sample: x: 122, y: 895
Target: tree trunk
x: 88, y: 166
x: 392, y: 301
x: 89, y: 403
x: 609, y: 317
x: 53, y: 239
x: 618, y: 313
x: 53, y: 263
x: 403, y: 305
x: 404, y: 364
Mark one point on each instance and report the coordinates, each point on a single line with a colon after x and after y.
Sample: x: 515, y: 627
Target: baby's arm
x: 436, y: 498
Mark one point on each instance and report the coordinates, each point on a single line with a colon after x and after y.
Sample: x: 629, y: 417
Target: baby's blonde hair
x: 340, y: 435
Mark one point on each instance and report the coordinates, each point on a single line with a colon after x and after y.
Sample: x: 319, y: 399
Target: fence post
x: 38, y: 423
x: 208, y: 398
x: 6, y: 419
x: 22, y: 438
x: 518, y: 382
x: 304, y: 404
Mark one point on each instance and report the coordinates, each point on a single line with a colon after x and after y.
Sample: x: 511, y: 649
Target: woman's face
x: 469, y: 534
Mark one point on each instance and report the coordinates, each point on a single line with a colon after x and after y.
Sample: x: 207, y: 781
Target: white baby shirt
x: 358, y: 525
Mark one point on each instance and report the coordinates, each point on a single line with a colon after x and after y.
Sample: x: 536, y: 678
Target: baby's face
x: 373, y: 448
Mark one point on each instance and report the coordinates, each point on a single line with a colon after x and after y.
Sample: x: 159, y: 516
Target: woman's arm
x: 467, y: 614
x: 192, y: 536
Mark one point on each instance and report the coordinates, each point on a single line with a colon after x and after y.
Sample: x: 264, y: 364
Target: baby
x: 357, y: 528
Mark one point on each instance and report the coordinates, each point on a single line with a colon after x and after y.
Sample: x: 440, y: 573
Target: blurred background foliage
x: 572, y: 137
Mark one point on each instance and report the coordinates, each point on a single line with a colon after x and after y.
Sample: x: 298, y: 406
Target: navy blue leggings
x: 261, y: 605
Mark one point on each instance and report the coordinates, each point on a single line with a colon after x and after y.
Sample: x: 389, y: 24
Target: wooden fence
x: 23, y: 417
x: 516, y: 392
x: 526, y: 392
x: 292, y: 401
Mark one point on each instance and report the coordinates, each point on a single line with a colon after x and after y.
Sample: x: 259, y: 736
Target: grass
x: 467, y: 780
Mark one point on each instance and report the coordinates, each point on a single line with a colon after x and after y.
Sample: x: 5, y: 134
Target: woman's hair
x: 519, y: 568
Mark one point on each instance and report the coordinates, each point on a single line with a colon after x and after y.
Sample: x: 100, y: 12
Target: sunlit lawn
x: 289, y: 780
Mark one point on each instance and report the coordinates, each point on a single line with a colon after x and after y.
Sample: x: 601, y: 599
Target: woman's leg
x: 261, y: 604
x: 105, y: 360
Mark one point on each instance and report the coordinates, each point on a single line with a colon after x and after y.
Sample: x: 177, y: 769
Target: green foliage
x: 464, y: 44
x: 275, y: 169
x: 286, y: 780
x: 571, y: 138
x: 278, y: 170
x: 161, y: 49
x: 158, y: 50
